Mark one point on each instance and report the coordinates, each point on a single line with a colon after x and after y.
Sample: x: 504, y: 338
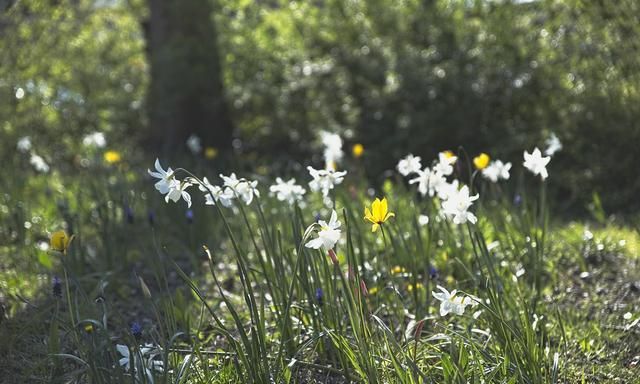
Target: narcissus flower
x: 324, y: 179
x: 481, y: 161
x: 497, y: 170
x: 194, y: 144
x: 453, y: 302
x: 445, y: 163
x: 553, y: 145
x: 60, y: 241
x: 536, y: 163
x: 457, y: 206
x: 112, y: 157
x: 244, y: 189
x: 287, y: 191
x: 429, y: 181
x: 408, y: 165
x: 378, y: 214
x: 328, y: 235
x: 357, y: 150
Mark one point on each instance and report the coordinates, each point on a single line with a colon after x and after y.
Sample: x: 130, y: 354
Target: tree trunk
x: 186, y: 94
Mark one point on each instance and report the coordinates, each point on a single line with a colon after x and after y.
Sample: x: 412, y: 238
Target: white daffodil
x: 95, y: 139
x: 497, y: 170
x: 167, y: 179
x: 429, y: 181
x: 452, y: 302
x: 24, y: 144
x: 215, y: 193
x: 553, y: 145
x: 38, y: 163
x: 243, y: 188
x: 445, y: 164
x: 332, y: 149
x: 148, y: 352
x: 423, y: 220
x: 328, y: 235
x: 536, y: 163
x: 287, y: 191
x: 177, y: 190
x: 194, y: 144
x: 410, y: 164
x: 457, y: 205
x: 444, y: 189
x: 325, y: 180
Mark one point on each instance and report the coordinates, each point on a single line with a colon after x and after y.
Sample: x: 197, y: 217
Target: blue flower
x: 136, y: 330
x: 189, y: 215
x: 433, y: 272
x: 151, y: 217
x: 57, y: 287
x: 128, y: 213
x: 319, y: 296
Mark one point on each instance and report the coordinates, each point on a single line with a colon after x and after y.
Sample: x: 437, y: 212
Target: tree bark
x: 186, y: 94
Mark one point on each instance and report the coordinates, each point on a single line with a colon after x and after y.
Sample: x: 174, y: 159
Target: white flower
x: 287, y: 191
x: 177, y: 190
x: 553, y: 145
x: 332, y: 148
x: 452, y: 303
x: 444, y: 189
x: 408, y: 165
x: 497, y: 170
x: 536, y: 163
x: 328, y: 235
x: 325, y: 180
x: 243, y: 188
x: 216, y: 193
x: 194, y: 144
x: 38, y: 163
x: 24, y: 144
x: 169, y: 186
x: 457, y: 205
x: 148, y: 353
x: 423, y: 220
x: 95, y: 139
x: 445, y: 164
x: 428, y: 181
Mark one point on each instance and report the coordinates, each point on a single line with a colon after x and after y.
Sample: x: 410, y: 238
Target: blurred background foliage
x: 398, y: 76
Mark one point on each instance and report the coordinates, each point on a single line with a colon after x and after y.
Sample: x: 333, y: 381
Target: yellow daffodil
x: 378, y: 214
x: 357, y: 150
x: 112, y: 157
x: 481, y: 161
x: 88, y: 328
x: 60, y: 241
x: 210, y: 153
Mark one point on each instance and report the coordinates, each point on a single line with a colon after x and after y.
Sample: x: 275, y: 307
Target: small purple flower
x: 189, y: 215
x: 57, y: 287
x: 136, y: 330
x: 433, y: 272
x: 128, y: 213
x: 319, y: 296
x: 517, y: 200
x: 151, y: 217
x: 317, y: 217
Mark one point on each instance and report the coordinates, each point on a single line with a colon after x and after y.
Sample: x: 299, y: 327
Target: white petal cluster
x: 553, y: 145
x: 243, y: 188
x: 444, y: 166
x: 325, y: 179
x: 147, y: 353
x: 452, y: 302
x: 409, y: 165
x: 332, y: 143
x: 216, y: 194
x: 194, y: 144
x: 38, y: 163
x: 457, y: 205
x: 328, y: 235
x: 95, y: 140
x: 169, y: 185
x: 536, y: 163
x: 497, y: 170
x: 24, y: 144
x: 287, y: 191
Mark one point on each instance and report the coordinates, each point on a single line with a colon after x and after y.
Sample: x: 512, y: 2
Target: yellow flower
x: 88, y: 328
x: 60, y: 241
x: 210, y: 153
x: 373, y: 290
x: 397, y: 269
x: 481, y: 161
x: 411, y: 287
x: 357, y: 150
x: 448, y: 154
x: 112, y: 157
x: 378, y: 213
